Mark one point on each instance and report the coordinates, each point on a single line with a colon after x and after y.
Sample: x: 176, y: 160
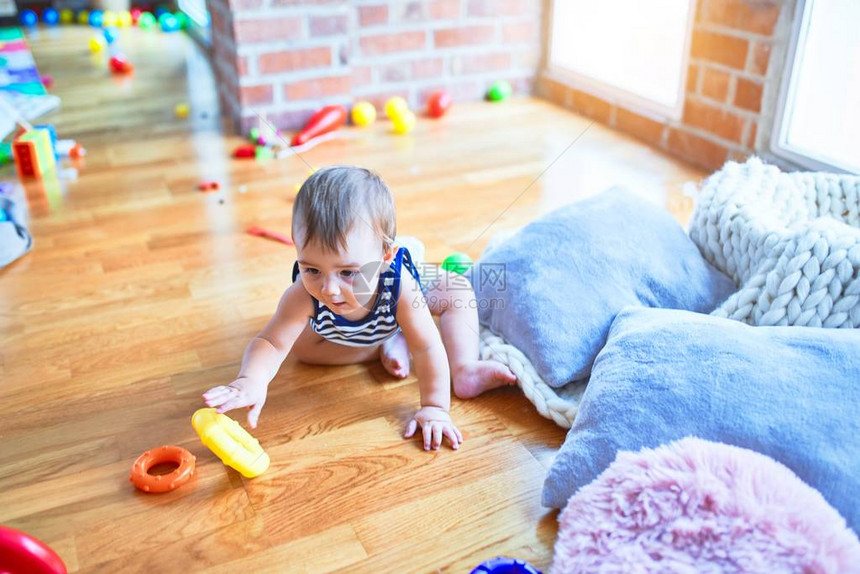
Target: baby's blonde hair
x: 334, y: 199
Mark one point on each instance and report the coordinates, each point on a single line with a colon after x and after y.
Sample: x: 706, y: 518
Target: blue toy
x: 160, y: 11
x: 111, y: 34
x: 97, y: 18
x: 50, y: 17
x: 3, y: 215
x: 29, y: 18
x: 502, y: 565
x: 168, y: 22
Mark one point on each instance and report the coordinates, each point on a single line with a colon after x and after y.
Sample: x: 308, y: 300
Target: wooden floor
x: 141, y: 292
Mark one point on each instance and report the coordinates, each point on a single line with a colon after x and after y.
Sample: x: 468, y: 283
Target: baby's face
x: 345, y: 281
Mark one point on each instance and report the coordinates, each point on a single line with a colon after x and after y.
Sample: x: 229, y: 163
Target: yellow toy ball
x: 84, y: 17
x: 110, y: 19
x: 396, y: 107
x: 363, y: 114
x: 182, y: 110
x: 404, y: 123
x: 123, y: 19
x: 66, y: 16
x: 97, y: 44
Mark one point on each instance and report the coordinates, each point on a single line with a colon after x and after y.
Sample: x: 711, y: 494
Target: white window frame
x: 788, y: 93
x: 617, y: 95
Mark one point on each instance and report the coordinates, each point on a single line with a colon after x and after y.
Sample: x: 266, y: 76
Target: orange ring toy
x: 146, y: 482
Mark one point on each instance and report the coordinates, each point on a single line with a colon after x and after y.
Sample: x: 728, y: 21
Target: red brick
x: 361, y: 76
x: 714, y: 120
x: 760, y: 59
x: 256, y: 95
x: 392, y: 43
x: 719, y: 48
x: 497, y: 8
x: 463, y: 36
x: 429, y: 68
x: 748, y: 15
x: 715, y: 84
x: 444, y: 9
x: 748, y: 95
x: 268, y: 30
x: 289, y: 60
x: 519, y: 32
x: 476, y: 63
x: 373, y: 15
x: 318, y: 88
x: 591, y: 106
x: 751, y: 136
x: 639, y: 126
x: 697, y: 150
x: 692, y: 78
x: 321, y: 26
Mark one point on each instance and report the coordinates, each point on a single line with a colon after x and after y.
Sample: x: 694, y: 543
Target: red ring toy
x: 146, y: 482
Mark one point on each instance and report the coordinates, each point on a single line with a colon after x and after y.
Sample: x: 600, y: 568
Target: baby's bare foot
x: 394, y: 355
x: 472, y: 379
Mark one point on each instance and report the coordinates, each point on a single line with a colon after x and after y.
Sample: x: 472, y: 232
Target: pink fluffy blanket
x: 695, y: 506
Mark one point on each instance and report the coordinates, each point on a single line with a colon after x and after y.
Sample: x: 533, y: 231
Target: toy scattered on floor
x: 457, y: 263
x: 395, y: 106
x: 5, y: 154
x: 146, y: 21
x: 499, y: 91
x: 110, y: 19
x: 96, y: 18
x: 158, y: 483
x: 274, y: 236
x: 402, y: 118
x: 50, y: 17
x: 124, y: 19
x: 324, y: 120
x: 67, y: 16
x: 29, y: 18
x: 208, y: 186
x: 245, y: 151
x: 97, y: 44
x: 263, y: 153
x: 404, y: 124
x: 168, y: 22
x: 439, y: 103
x: 84, y: 17
x: 230, y: 442
x: 34, y: 154
x: 111, y: 34
x: 135, y: 15
x: 119, y: 65
x: 20, y: 553
x: 47, y: 81
x: 363, y: 114
x: 182, y: 110
x: 502, y: 565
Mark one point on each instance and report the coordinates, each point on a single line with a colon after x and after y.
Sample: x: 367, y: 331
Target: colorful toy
x: 499, y: 91
x: 34, y: 155
x: 182, y: 110
x: 208, y: 186
x: 124, y: 19
x: 29, y: 18
x: 181, y: 20
x: 457, y: 263
x: 157, y: 483
x: 67, y: 16
x: 395, y: 107
x: 50, y: 17
x: 119, y: 65
x: 111, y: 34
x: 263, y: 153
x: 20, y: 553
x: 260, y: 232
x: 96, y: 18
x: 47, y: 81
x: 363, y: 114
x: 110, y: 19
x: 5, y: 153
x: 84, y: 17
x: 245, y: 151
x: 230, y: 442
x: 135, y: 15
x: 323, y: 121
x: 146, y: 21
x: 439, y: 103
x: 404, y: 123
x: 168, y: 22
x: 502, y: 565
x: 97, y: 44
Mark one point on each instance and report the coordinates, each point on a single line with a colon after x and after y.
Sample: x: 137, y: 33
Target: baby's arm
x: 264, y: 355
x: 431, y: 367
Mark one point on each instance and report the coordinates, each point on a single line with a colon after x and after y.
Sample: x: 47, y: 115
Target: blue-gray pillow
x: 567, y: 274
x: 791, y: 393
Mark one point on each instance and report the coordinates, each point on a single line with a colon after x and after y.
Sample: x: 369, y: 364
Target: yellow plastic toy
x: 97, y: 44
x: 363, y: 114
x: 396, y: 107
x: 404, y: 123
x: 230, y: 442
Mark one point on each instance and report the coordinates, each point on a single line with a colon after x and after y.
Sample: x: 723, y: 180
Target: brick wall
x: 733, y: 79
x: 286, y: 58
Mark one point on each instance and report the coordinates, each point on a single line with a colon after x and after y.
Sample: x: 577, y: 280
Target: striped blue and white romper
x: 380, y: 324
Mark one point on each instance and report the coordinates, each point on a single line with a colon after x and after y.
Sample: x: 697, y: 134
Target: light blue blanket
x: 15, y: 240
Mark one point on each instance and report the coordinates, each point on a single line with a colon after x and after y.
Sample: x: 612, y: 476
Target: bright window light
x: 627, y: 48
x: 820, y: 99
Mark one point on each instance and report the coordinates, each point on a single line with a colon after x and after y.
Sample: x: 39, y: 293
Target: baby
x: 359, y: 297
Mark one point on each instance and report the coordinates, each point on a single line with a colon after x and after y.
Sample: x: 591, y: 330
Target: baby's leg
x: 452, y: 299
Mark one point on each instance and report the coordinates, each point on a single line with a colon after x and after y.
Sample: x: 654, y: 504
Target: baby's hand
x: 243, y: 392
x: 435, y: 423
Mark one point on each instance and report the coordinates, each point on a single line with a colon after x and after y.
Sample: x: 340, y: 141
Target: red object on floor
x: 20, y: 553
x: 119, y: 65
x: 439, y: 103
x: 323, y: 121
x: 260, y: 232
x: 208, y: 186
x: 245, y: 151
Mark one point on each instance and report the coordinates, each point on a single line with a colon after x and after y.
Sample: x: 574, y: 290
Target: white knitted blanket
x: 791, y: 241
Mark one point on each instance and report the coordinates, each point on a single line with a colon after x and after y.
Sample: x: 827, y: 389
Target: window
x: 818, y: 114
x: 625, y: 50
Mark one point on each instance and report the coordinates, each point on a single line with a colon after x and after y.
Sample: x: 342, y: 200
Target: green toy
x: 457, y: 263
x: 499, y: 91
x: 146, y: 21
